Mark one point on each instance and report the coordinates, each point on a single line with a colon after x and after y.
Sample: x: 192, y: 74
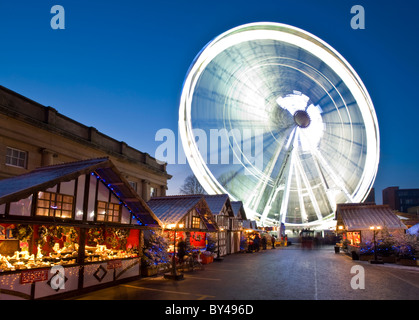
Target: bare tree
x: 191, y: 185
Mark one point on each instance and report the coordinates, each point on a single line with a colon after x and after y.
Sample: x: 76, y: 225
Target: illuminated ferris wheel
x: 278, y: 119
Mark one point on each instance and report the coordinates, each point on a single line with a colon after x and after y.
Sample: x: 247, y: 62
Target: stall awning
x: 172, y: 209
x: 360, y: 216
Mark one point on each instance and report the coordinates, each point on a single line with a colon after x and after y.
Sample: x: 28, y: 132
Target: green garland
x: 71, y: 235
x: 22, y: 232
x: 117, y: 237
x: 95, y: 236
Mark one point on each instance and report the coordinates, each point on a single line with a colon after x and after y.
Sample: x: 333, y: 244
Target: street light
x: 375, y: 229
x: 174, y: 275
x: 337, y: 245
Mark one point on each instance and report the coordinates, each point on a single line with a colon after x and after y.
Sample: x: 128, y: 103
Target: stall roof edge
x: 362, y: 216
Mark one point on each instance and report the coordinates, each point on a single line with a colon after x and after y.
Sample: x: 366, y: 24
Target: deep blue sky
x: 119, y: 65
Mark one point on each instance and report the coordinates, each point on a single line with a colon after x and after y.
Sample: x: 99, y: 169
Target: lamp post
x: 374, y: 230
x: 173, y: 275
x: 338, y: 245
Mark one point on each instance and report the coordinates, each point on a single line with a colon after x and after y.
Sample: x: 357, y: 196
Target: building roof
x: 413, y: 230
x: 238, y: 209
x: 22, y: 186
x: 172, y: 209
x: 217, y: 202
x: 358, y: 216
x: 250, y: 224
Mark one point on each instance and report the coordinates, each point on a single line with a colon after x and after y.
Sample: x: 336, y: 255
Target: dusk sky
x: 119, y: 66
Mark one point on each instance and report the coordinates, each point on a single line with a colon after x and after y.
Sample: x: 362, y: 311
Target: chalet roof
x: 172, y: 209
x: 22, y: 186
x: 250, y: 224
x: 238, y: 209
x: 358, y: 216
x: 216, y: 203
x: 44, y: 177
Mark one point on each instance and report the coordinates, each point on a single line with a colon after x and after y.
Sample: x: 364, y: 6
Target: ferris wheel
x: 275, y: 117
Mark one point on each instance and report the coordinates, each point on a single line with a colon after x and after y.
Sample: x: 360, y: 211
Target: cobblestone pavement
x: 289, y: 273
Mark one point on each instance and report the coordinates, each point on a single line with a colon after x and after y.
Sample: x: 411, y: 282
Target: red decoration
x: 114, y: 264
x: 30, y: 276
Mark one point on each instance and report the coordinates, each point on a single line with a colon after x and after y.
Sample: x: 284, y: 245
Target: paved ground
x: 281, y: 274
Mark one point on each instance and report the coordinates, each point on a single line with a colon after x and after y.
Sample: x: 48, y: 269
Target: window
x: 354, y: 238
x: 196, y: 222
x: 133, y: 185
x: 16, y: 158
x: 107, y: 211
x: 153, y: 192
x: 54, y: 205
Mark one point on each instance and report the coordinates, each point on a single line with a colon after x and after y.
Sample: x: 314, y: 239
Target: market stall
x: 359, y: 223
x: 220, y: 207
x: 185, y: 219
x: 67, y: 228
x: 238, y: 234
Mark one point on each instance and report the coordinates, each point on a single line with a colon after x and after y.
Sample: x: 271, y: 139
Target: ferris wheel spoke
x: 309, y: 189
x: 259, y: 191
x: 303, y: 212
x: 287, y: 187
x: 338, y: 181
x: 325, y: 185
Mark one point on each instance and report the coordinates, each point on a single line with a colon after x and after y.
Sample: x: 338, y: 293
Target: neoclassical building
x: 33, y: 135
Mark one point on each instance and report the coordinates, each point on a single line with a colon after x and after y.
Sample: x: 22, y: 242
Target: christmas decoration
x: 22, y: 232
x: 154, y: 250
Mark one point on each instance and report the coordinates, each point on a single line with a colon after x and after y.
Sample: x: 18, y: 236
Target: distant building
x: 371, y: 196
x: 32, y: 135
x: 401, y: 199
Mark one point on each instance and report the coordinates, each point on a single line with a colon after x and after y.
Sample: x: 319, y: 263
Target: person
x: 264, y: 241
x: 257, y: 242
x: 273, y: 241
x: 181, y: 252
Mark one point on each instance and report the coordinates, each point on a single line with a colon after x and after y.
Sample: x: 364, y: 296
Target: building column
x: 47, y: 157
x: 145, y: 190
x: 163, y: 191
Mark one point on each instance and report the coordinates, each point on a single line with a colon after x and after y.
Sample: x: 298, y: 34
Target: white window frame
x: 18, y: 158
x: 153, y: 192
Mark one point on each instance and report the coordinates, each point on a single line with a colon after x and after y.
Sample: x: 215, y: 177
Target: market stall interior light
x: 174, y: 226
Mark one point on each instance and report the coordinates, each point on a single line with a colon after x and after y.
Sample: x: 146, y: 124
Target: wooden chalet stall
x: 357, y: 222
x: 250, y: 229
x: 189, y: 215
x: 237, y: 232
x: 69, y: 228
x: 220, y: 207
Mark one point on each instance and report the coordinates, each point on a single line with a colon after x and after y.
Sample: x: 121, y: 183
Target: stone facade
x: 32, y: 135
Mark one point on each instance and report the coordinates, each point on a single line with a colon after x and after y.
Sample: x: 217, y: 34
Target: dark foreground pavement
x: 289, y: 273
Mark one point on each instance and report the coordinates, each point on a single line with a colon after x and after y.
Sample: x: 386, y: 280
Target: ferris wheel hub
x: 302, y: 119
